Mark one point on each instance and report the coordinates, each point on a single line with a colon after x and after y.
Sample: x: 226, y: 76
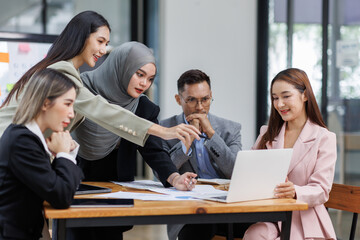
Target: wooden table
x: 173, y: 212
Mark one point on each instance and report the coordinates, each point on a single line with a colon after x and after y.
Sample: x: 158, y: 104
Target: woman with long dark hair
x: 84, y: 40
x: 296, y: 122
x: 69, y: 46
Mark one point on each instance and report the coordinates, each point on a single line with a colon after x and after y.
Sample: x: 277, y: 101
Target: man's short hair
x: 191, y: 77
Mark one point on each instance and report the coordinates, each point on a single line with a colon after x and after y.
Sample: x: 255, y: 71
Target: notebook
x: 256, y: 174
x: 102, y: 202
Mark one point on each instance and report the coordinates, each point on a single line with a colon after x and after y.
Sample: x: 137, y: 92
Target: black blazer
x: 153, y: 152
x: 27, y: 178
x: 120, y: 164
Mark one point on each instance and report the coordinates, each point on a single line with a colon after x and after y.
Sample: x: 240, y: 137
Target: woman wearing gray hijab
x: 124, y: 76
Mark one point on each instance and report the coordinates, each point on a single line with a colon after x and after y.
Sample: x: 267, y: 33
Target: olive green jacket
x: 94, y: 107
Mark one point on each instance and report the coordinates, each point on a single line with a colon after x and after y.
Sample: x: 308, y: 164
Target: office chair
x: 346, y: 198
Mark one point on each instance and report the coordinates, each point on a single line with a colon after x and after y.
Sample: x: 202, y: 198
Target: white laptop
x: 256, y: 174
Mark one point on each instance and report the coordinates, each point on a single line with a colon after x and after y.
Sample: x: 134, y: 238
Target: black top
x: 27, y: 178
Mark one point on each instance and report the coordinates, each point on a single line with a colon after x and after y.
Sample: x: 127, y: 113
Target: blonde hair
x: 45, y: 84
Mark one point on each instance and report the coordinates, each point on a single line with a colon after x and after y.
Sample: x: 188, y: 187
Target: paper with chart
x: 168, y: 194
x: 143, y: 196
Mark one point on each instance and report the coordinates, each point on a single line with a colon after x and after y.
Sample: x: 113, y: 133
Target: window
x: 321, y: 37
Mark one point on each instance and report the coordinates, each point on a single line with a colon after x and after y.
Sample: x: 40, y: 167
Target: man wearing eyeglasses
x: 213, y: 156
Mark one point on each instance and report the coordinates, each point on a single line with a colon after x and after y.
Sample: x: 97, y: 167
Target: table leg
x: 353, y: 226
x: 286, y: 227
x: 230, y: 231
x: 59, y: 229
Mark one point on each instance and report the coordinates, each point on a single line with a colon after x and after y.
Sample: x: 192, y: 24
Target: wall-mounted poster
x: 18, y: 53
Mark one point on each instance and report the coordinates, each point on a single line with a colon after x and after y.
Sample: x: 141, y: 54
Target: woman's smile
x: 138, y: 90
x: 96, y: 58
x: 284, y: 111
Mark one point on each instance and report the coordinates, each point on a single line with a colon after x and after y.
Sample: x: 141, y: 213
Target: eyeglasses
x: 192, y: 102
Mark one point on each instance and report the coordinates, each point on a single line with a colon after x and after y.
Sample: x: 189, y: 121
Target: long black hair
x: 69, y: 44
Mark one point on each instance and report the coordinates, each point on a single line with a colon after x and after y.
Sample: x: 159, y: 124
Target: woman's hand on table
x: 184, y: 182
x: 285, y: 190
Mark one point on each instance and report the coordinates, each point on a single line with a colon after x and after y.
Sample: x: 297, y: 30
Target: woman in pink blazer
x: 295, y: 122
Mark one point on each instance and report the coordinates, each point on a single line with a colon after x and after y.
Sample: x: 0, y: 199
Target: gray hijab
x: 111, y: 80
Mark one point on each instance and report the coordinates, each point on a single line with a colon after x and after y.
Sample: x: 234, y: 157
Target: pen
x: 203, y: 136
x: 191, y: 182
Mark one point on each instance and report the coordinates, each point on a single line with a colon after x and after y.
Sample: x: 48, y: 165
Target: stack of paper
x: 168, y: 194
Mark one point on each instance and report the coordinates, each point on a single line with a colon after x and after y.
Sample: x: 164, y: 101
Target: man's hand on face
x: 204, y: 123
x: 195, y: 123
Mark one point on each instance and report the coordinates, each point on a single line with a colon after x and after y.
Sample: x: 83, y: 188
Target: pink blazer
x: 312, y: 171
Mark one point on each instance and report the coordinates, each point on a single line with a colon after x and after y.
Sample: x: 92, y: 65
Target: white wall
x: 219, y: 38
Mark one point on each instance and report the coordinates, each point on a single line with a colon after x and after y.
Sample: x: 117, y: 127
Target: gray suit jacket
x: 222, y: 147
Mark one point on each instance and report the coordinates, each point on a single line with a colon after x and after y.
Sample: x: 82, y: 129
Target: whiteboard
x: 15, y: 59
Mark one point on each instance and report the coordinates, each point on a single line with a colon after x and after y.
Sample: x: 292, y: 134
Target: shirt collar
x: 34, y: 128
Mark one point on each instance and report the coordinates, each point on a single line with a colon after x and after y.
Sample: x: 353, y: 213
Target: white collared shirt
x: 34, y: 128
